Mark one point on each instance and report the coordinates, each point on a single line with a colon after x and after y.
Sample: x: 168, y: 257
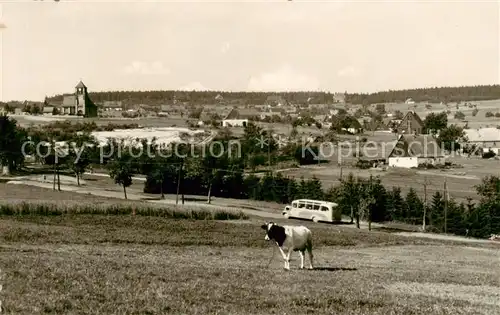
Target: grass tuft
x: 57, y: 209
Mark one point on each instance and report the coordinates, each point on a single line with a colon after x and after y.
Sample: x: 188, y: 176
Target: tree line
x: 431, y: 95
x: 162, y: 97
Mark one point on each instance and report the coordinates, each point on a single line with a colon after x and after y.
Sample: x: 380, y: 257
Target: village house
x: 377, y: 155
x: 164, y: 111
x: 233, y: 119
x: 48, y: 110
x: 413, y: 150
x: 410, y: 101
x: 275, y: 100
x: 488, y: 139
x: 339, y: 98
x: 410, y: 124
x: 219, y: 98
x: 272, y: 111
x: 239, y: 117
x: 112, y: 105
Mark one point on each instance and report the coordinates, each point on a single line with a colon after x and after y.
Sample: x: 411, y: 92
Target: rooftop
x: 482, y: 134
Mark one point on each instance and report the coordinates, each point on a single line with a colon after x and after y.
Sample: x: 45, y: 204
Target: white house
x: 486, y: 138
x: 233, y: 119
x: 410, y: 101
x: 414, y: 150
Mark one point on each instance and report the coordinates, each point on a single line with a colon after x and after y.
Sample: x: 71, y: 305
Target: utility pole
x: 54, y: 182
x: 58, y: 180
x: 178, y: 185
x: 426, y: 182
x: 182, y: 180
x: 269, y: 148
x: 53, y: 148
x: 445, y: 206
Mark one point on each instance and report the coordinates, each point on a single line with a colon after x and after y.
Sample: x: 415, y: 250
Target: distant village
x: 404, y: 125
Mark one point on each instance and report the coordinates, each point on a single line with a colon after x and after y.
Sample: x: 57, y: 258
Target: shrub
x: 459, y: 115
x: 488, y: 155
x: 488, y: 114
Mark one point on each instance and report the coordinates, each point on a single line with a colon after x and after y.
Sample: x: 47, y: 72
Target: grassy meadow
x: 125, y: 264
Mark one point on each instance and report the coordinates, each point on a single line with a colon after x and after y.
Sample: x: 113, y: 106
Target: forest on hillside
x: 431, y: 95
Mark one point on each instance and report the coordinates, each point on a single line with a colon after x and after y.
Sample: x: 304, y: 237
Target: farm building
x: 412, y: 151
x: 48, y: 110
x: 339, y: 98
x: 410, y: 124
x: 486, y: 138
x: 112, y: 105
x: 275, y: 100
x: 377, y: 155
x: 410, y: 101
x: 234, y: 119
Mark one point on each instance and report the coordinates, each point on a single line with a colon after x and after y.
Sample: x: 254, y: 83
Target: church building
x: 78, y: 103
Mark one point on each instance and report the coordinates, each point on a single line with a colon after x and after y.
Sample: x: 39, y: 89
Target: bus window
x: 316, y: 206
x: 324, y: 208
x: 294, y: 205
x: 302, y: 205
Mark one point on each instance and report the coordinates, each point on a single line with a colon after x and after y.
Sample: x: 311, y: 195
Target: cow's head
x: 274, y: 232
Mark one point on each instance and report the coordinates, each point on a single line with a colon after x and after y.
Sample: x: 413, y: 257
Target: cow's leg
x: 288, y: 258
x: 310, y: 252
x: 287, y: 267
x: 310, y: 259
x: 302, y: 252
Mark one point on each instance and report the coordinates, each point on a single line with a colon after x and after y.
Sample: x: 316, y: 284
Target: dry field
x: 143, y: 265
x: 15, y: 193
x: 26, y: 120
x: 460, y: 181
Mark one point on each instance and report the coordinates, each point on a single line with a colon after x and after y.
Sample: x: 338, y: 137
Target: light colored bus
x: 316, y: 210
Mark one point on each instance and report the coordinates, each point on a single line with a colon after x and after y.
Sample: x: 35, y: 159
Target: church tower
x: 80, y: 98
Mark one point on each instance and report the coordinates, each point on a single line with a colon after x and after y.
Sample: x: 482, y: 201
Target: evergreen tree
x: 292, y: 190
x: 415, y: 208
x: 436, y: 215
x: 398, y: 205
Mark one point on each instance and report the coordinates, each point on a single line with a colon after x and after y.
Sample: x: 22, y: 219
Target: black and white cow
x: 290, y: 238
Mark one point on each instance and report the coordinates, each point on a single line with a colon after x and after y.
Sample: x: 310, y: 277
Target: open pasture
x: 26, y: 120
x: 478, y: 121
x: 145, y: 265
x: 460, y: 181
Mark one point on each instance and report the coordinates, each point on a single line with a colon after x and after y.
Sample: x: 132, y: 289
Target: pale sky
x: 237, y: 45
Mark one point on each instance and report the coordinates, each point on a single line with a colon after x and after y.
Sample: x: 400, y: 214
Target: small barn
x: 487, y: 139
x: 414, y: 150
x: 234, y: 119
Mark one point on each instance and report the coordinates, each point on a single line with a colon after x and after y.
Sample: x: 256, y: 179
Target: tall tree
x: 433, y: 122
x: 11, y: 142
x: 121, y: 171
x: 415, y: 207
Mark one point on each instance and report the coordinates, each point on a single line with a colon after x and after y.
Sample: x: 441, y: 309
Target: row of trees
x: 432, y: 95
x: 203, y: 97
